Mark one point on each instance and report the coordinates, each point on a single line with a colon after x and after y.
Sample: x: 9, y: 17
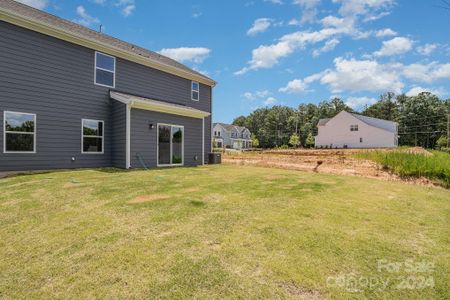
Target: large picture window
x: 19, y: 132
x: 105, y: 70
x: 92, y: 136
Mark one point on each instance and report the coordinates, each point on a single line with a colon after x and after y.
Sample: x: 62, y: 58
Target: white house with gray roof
x: 349, y: 130
x: 231, y: 136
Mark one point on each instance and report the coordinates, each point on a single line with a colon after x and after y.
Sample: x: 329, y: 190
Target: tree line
x: 422, y: 120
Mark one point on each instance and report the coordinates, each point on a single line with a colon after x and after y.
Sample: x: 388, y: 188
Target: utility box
x: 214, y: 158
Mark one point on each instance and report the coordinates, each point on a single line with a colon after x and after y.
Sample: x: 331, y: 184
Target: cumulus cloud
x: 99, y: 2
x: 427, y: 49
x: 309, y: 10
x: 275, y: 1
x: 266, y: 56
x: 363, y: 7
x: 397, y: 45
x: 426, y: 72
x: 270, y: 101
x: 85, y: 19
x: 416, y: 90
x: 329, y: 46
x: 39, y: 4
x: 385, y: 32
x: 300, y: 85
x: 186, y: 54
x: 126, y: 7
x: 260, y: 25
x: 359, y: 102
x: 258, y: 94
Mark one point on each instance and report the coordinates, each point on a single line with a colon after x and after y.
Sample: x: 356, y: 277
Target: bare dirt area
x: 333, y: 161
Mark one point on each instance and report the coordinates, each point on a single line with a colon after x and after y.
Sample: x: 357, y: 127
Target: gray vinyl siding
x: 55, y: 80
x: 144, y: 139
x: 118, y: 142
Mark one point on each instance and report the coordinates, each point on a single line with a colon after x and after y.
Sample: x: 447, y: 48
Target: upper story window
x: 105, y: 70
x: 20, y: 132
x: 195, y: 91
x: 92, y: 136
x: 354, y: 128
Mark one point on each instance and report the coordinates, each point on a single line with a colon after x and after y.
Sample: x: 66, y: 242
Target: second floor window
x: 105, y: 70
x: 195, y: 91
x: 354, y: 128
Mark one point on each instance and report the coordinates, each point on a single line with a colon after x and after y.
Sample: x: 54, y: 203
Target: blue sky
x: 269, y: 52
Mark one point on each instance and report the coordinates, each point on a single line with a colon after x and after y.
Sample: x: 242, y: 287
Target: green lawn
x: 219, y: 232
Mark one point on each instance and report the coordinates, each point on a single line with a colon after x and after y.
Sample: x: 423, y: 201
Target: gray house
x: 231, y: 136
x: 71, y: 97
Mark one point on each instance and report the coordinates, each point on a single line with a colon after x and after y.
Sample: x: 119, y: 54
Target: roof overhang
x: 61, y: 34
x: 158, y: 106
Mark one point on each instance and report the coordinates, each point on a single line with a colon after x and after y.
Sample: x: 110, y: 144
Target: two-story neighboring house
x: 348, y: 130
x: 231, y: 136
x: 71, y: 97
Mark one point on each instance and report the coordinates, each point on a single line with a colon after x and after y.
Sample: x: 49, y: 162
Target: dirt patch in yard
x: 339, y: 161
x: 148, y: 198
x: 300, y: 292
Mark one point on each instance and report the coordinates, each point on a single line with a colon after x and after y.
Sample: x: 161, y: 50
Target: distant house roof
x: 37, y: 20
x: 379, y: 123
x: 230, y: 127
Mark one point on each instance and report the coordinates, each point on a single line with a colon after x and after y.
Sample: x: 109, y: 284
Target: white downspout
x: 203, y: 140
x: 128, y: 137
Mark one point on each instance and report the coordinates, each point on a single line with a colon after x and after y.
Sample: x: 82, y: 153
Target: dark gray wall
x: 55, y: 79
x: 144, y: 139
x: 118, y: 137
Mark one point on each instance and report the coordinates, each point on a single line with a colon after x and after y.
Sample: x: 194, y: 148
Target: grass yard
x: 435, y: 166
x: 220, y: 232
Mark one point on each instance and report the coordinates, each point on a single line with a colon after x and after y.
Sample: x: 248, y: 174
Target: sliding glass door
x: 170, y: 145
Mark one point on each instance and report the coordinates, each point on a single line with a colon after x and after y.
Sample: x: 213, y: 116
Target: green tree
x: 294, y: 141
x: 255, y: 142
x: 310, y: 140
x: 386, y: 108
x: 240, y: 121
x: 442, y: 142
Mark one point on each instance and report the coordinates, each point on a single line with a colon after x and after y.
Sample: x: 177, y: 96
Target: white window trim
x: 192, y: 91
x: 92, y: 136
x: 17, y: 132
x: 157, y: 145
x: 95, y: 70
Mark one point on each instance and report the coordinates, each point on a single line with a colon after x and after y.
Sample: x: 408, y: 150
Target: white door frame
x: 157, y: 145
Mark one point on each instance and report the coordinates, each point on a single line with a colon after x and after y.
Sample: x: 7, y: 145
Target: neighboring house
x: 71, y: 97
x: 348, y: 130
x: 232, y: 136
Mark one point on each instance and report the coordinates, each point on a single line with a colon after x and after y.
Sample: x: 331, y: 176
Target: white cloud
x: 99, y: 2
x: 427, y: 49
x: 266, y: 56
x: 270, y: 101
x: 85, y: 18
x: 361, y: 75
x: 185, y: 54
x: 426, y: 72
x: 294, y: 86
x: 255, y: 95
x: 414, y: 91
x: 359, y: 102
x: 39, y: 4
x: 126, y: 7
x: 260, y: 25
x: 299, y: 85
x: 385, y: 32
x: 397, y: 45
x: 329, y: 46
x: 309, y: 10
x: 362, y: 7
x: 274, y: 1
